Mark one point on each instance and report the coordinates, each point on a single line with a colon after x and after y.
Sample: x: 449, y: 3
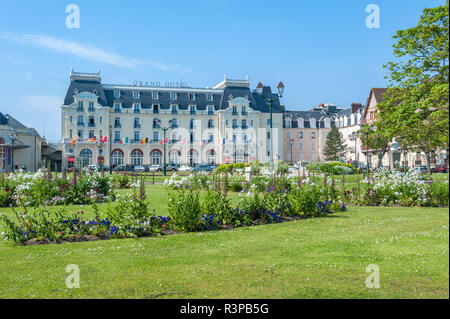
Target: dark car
x: 439, y: 169
x: 202, y: 168
x: 123, y: 168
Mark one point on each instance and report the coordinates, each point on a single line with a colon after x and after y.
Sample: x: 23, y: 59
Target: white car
x: 184, y: 168
x: 155, y: 168
x: 139, y: 168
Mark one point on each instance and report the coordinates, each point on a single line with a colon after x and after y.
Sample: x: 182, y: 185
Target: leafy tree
x: 335, y: 147
x: 379, y: 142
x: 415, y: 109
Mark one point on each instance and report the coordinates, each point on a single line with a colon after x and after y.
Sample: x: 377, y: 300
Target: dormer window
x: 91, y: 107
x: 173, y: 96
x: 191, y: 97
x: 210, y: 109
x: 116, y: 94
x: 137, y: 108
x: 192, y: 109
x: 174, y: 108
x: 117, y: 107
x: 155, y: 95
x: 288, y: 123
x: 209, y: 97
x: 136, y: 95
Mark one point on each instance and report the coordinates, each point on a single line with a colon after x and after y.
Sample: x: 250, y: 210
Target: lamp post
x: 165, y: 129
x: 367, y: 132
x: 12, y: 136
x: 270, y: 100
x: 110, y: 150
x: 291, y: 143
x: 355, y: 136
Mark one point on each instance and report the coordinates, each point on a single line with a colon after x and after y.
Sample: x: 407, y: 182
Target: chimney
x: 321, y: 105
x: 356, y: 107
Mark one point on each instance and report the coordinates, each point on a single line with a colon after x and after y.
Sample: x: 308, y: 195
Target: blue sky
x: 322, y: 49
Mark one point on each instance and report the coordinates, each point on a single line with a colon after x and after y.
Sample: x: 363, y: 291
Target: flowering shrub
x: 198, y: 181
x: 184, y: 209
x: 34, y: 189
x: 397, y: 188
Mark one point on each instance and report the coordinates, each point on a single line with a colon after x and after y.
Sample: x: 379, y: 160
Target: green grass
x: 313, y: 258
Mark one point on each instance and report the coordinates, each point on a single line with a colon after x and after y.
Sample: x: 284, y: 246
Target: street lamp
x: 12, y: 136
x: 165, y: 129
x: 270, y: 100
x: 355, y: 136
x: 291, y: 143
x: 367, y: 132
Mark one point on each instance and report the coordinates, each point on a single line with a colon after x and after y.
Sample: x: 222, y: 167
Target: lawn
x: 314, y: 258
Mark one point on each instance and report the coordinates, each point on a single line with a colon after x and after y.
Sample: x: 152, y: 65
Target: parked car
x: 139, y: 168
x: 172, y: 167
x: 155, y: 168
x: 89, y: 168
x: 185, y: 168
x: 202, y: 168
x: 439, y: 169
x: 422, y: 169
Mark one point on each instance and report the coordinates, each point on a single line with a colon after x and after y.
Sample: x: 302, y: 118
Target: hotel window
x: 137, y: 108
x: 226, y: 123
x: 192, y: 109
x: 137, y: 123
x: 116, y: 136
x: 101, y: 120
x: 70, y: 134
x: 288, y: 135
x: 80, y: 106
x: 91, y: 122
x: 268, y: 122
x: 173, y: 96
x: 155, y: 108
x: 191, y: 124
x: 300, y: 134
x: 80, y: 120
x: 174, y: 109
x: 244, y: 137
x: 251, y: 123
x: 80, y: 134
x: 191, y: 97
x: 244, y: 110
x: 70, y: 119
x: 155, y: 136
x: 117, y: 122
x: 268, y: 135
x: 210, y: 109
x: 137, y: 136
x: 234, y: 124
x: 155, y: 95
x: 116, y: 94
x: 116, y: 107
x: 91, y: 134
x: 244, y: 124
x: 313, y: 135
x: 234, y: 110
x: 210, y: 123
x: 174, y: 123
x: 300, y: 146
x: 234, y: 138
x: 101, y: 133
x: 211, y: 138
x: 209, y: 97
x: 136, y: 95
x: 91, y: 107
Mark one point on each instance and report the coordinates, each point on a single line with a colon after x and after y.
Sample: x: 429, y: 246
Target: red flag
x: 105, y: 139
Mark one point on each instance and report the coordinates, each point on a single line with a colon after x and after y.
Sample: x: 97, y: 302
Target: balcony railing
x: 136, y: 125
x: 117, y: 111
x: 90, y: 124
x: 91, y: 110
x: 174, y: 112
x: 155, y: 111
x: 80, y: 109
x: 80, y: 124
x: 234, y: 127
x: 174, y: 126
x: 117, y: 125
x: 210, y: 112
x: 137, y: 111
x: 155, y: 126
x: 244, y: 127
x: 244, y: 113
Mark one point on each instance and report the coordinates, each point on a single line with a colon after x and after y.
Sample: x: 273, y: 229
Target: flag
x: 92, y: 140
x: 183, y: 141
x: 74, y: 140
x: 105, y: 139
x: 144, y: 141
x: 124, y: 140
x: 164, y: 142
x: 203, y: 142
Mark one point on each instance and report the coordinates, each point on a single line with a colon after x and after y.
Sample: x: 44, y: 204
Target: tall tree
x: 415, y: 108
x: 335, y: 147
x: 378, y: 142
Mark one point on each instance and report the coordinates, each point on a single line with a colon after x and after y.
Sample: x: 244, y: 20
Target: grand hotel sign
x: 166, y: 84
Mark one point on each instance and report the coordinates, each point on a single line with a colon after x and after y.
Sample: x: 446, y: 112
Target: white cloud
x: 85, y: 51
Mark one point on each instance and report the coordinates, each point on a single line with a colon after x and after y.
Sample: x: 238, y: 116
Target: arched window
x: 155, y: 157
x: 85, y: 157
x: 2, y: 156
x: 117, y: 158
x: 174, y: 157
x: 136, y: 157
x: 193, y: 158
x: 211, y: 157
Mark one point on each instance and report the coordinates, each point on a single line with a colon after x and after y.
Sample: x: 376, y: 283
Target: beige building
x: 125, y: 124
x: 20, y: 146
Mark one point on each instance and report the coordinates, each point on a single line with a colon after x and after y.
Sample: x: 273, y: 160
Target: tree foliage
x: 415, y: 108
x: 335, y: 147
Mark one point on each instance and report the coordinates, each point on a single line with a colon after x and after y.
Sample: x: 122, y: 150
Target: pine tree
x: 335, y: 147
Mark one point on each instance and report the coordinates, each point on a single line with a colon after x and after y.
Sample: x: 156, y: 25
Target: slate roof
x: 220, y: 96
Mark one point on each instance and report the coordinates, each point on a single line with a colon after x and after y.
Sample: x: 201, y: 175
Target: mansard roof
x: 222, y: 93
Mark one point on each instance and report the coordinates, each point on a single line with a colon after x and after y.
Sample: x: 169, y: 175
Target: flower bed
x: 34, y: 189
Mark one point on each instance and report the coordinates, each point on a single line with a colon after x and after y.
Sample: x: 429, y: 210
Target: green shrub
x: 303, y: 199
x: 184, y: 209
x: 236, y: 186
x: 4, y: 198
x: 438, y: 193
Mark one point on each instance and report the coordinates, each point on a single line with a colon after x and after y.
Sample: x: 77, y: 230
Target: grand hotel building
x: 226, y: 123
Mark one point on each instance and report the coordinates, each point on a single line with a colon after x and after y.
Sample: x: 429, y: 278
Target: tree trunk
x: 428, y: 155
